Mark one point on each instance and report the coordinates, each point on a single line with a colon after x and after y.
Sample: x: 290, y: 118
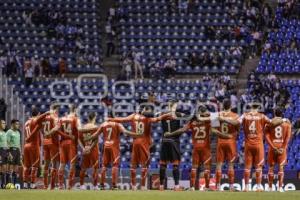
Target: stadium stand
x: 51, y: 30
x: 281, y: 51
x: 216, y: 35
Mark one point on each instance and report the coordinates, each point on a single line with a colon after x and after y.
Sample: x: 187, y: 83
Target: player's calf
x: 218, y: 176
x: 61, y: 176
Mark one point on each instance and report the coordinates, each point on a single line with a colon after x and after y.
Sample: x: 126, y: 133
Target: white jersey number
x: 278, y: 132
x: 139, y: 128
x: 200, y: 132
x: 252, y: 127
x: 224, y: 128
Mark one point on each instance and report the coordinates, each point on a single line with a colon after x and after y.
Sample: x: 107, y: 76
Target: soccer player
x: 201, y: 128
x: 3, y: 153
x: 13, y: 137
x: 278, y: 138
x: 68, y: 146
x: 49, y: 128
x: 141, y: 124
x: 170, y: 146
x: 253, y: 123
x: 31, y: 151
x: 90, y: 151
x: 111, y: 151
x: 226, y: 147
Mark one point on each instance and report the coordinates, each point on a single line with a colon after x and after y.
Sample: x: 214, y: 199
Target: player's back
x: 278, y: 134
x: 228, y: 128
x: 170, y: 125
x: 142, y: 126
x: 253, y: 126
x: 111, y: 134
x: 48, y: 123
x: 32, y: 135
x: 200, y: 133
x: 87, y: 134
x: 69, y: 125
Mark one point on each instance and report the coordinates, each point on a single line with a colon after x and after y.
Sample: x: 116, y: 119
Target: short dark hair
x: 34, y: 111
x: 202, y: 108
x: 54, y: 106
x: 14, y: 121
x: 91, y: 116
x: 226, y: 104
x: 255, y: 105
x: 278, y: 112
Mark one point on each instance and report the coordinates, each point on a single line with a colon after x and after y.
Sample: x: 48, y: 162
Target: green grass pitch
x: 145, y: 195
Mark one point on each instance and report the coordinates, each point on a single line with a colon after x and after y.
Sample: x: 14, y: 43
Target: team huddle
x: 61, y: 138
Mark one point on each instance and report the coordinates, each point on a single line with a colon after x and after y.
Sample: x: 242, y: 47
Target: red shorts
x: 51, y: 152
x: 226, y: 151
x: 201, y: 155
x: 91, y: 160
x: 31, y: 156
x: 111, y: 155
x: 254, y: 155
x: 274, y: 158
x: 68, y: 153
x: 140, y: 154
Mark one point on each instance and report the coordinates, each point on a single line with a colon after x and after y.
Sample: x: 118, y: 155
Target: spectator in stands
x: 172, y: 6
x: 205, y: 59
x: 137, y: 63
x: 183, y: 6
x: 110, y: 46
x: 210, y: 32
x: 62, y: 66
x: 220, y: 92
x: 3, y: 108
x: 3, y: 62
x: 193, y: 59
x: 267, y: 13
x: 234, y: 101
x: 127, y: 68
x: 29, y: 71
x: 216, y: 59
x: 45, y: 67
x: 35, y: 63
x: 170, y: 67
x: 236, y: 50
x: 53, y: 66
x: 27, y: 17
x: 154, y: 68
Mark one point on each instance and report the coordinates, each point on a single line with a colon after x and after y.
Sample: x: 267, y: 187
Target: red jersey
x: 111, y: 134
x: 228, y: 128
x: 48, y: 123
x: 141, y: 125
x: 200, y: 133
x: 279, y: 136
x: 69, y: 127
x: 32, y: 134
x: 253, y: 124
x: 88, y: 134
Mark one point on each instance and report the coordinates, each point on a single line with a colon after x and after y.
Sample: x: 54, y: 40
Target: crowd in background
x: 29, y: 68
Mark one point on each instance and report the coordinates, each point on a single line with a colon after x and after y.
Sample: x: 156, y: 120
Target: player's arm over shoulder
x: 122, y: 119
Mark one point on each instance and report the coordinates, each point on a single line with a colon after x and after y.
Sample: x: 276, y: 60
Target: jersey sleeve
x: 265, y: 120
x: 121, y: 128
x: 188, y: 126
x: 241, y: 118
